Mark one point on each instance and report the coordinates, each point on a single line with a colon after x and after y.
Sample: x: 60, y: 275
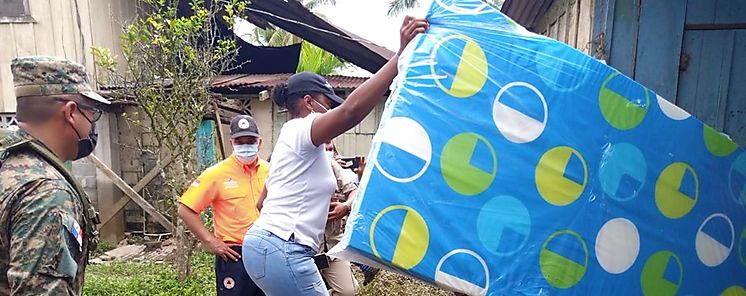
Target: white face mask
x: 246, y: 153
x: 330, y: 155
x: 322, y: 106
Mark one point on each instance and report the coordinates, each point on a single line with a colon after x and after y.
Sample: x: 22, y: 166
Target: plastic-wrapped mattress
x: 510, y: 163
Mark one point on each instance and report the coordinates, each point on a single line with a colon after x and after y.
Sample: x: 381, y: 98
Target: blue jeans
x: 280, y: 267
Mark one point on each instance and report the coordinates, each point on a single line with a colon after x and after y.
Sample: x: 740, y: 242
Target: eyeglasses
x: 97, y: 113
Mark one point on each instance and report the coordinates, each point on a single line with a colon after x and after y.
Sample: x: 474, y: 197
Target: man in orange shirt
x: 232, y: 187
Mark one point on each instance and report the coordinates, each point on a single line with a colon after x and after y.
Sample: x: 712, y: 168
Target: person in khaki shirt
x: 339, y: 275
x: 232, y: 187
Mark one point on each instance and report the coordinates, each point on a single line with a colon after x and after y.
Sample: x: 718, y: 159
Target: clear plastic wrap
x: 508, y: 163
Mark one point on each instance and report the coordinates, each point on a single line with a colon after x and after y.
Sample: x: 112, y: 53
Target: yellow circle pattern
x: 550, y: 178
x: 734, y: 291
x: 471, y: 73
x: 413, y: 240
x: 670, y: 200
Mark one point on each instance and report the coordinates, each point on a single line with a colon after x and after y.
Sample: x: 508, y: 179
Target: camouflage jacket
x: 42, y: 246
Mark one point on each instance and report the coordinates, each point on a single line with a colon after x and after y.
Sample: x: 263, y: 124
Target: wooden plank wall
x: 356, y: 141
x: 645, y: 42
x: 68, y: 28
x: 262, y: 111
x: 64, y: 28
x: 687, y: 51
x: 647, y: 36
x: 658, y: 48
x: 711, y: 84
x: 569, y: 21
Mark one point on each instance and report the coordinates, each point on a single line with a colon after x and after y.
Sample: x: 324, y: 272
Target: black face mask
x: 86, y: 146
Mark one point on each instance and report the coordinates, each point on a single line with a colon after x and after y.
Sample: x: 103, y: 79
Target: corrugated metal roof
x: 526, y: 12
x: 265, y: 81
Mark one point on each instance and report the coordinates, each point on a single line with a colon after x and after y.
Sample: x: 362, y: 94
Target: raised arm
x: 362, y: 101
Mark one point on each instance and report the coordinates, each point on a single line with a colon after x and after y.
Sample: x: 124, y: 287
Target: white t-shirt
x: 299, y: 185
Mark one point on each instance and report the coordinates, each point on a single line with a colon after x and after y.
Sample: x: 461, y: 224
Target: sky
x: 368, y: 19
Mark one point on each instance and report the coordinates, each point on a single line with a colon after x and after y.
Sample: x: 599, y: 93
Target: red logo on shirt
x: 229, y: 283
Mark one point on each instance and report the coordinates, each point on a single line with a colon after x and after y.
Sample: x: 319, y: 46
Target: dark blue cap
x: 309, y: 82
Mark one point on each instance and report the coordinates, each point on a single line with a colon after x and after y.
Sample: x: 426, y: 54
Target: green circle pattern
x: 559, y: 271
x: 618, y: 110
x: 457, y: 171
x: 652, y: 281
x: 718, y: 144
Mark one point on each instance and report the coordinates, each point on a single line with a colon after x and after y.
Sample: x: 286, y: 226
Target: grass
x: 142, y: 278
x: 389, y: 283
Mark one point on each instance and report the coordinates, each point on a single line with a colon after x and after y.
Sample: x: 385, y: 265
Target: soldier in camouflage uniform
x: 48, y: 225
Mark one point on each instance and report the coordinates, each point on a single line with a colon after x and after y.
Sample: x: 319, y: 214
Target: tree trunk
x: 183, y: 251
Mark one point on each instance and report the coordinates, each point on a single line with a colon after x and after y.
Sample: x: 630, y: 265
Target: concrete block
x: 84, y: 168
x: 88, y: 182
x: 131, y: 178
x: 129, y: 158
x: 149, y: 140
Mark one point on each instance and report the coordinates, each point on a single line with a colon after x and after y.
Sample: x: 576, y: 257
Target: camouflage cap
x: 46, y: 76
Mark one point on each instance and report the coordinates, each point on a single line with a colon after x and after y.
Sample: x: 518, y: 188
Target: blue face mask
x: 246, y: 153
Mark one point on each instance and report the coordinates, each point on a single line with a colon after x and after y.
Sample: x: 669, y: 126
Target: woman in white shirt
x: 278, y: 249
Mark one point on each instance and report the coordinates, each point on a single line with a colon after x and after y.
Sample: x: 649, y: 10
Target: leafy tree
x: 170, y: 58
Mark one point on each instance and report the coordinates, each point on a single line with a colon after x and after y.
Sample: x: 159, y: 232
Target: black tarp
x: 255, y: 59
x: 293, y: 17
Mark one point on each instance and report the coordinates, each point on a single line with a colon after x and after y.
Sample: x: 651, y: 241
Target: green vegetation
x: 136, y: 278
x: 146, y: 278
